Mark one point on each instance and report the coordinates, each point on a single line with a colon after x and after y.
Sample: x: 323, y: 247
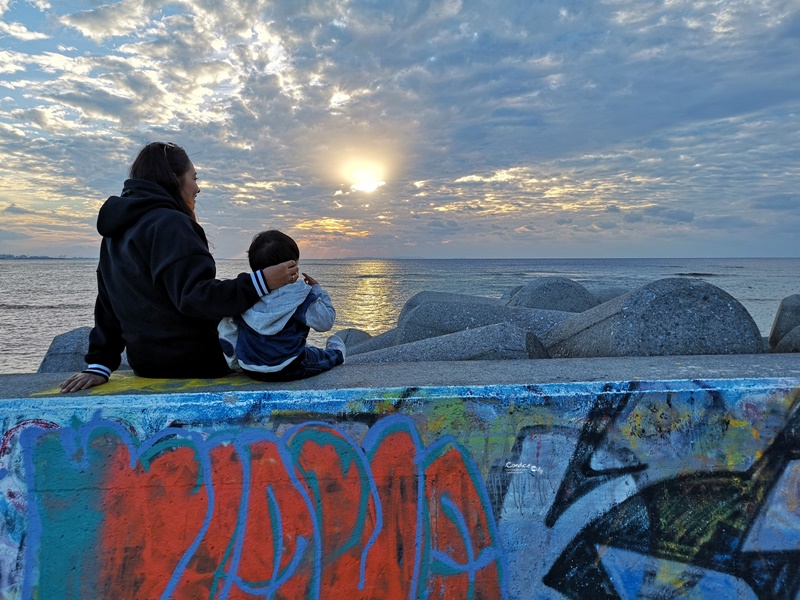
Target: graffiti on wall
x: 654, y: 489
x: 698, y: 519
x: 245, y: 514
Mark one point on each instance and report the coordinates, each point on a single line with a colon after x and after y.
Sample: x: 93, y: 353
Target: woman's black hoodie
x: 158, y: 296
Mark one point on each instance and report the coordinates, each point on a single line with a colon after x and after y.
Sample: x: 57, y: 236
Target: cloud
x: 778, y: 202
x: 11, y: 62
x: 439, y: 225
x: 633, y: 217
x: 484, y: 117
x: 13, y: 208
x: 604, y: 225
x: 11, y: 235
x: 665, y: 214
x: 109, y: 20
x: 20, y: 32
x: 725, y: 222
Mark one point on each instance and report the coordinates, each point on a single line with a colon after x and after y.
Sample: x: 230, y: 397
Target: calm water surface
x: 43, y: 298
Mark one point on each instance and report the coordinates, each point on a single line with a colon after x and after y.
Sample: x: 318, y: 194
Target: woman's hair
x: 271, y: 248
x: 163, y: 164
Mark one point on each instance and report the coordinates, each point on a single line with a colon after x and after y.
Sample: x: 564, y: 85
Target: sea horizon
x: 39, y: 300
x: 48, y: 257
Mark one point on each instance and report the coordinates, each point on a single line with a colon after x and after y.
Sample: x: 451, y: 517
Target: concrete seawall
x: 601, y: 478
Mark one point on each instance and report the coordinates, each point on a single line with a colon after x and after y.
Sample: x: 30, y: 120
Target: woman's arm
x: 280, y: 275
x: 192, y: 287
x: 105, y: 345
x: 182, y: 266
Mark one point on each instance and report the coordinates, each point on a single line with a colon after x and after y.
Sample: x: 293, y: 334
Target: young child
x: 268, y: 341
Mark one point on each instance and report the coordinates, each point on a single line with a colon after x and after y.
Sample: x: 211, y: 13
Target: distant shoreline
x: 27, y: 257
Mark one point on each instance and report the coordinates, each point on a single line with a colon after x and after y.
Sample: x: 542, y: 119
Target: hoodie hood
x: 271, y: 313
x: 139, y: 196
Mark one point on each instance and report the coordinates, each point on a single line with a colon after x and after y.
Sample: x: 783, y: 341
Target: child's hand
x: 309, y: 279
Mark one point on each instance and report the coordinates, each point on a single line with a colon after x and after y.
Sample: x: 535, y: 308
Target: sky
x: 413, y: 128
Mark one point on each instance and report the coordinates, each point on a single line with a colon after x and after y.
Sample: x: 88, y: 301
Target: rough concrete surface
x: 353, y: 337
x: 789, y: 342
x: 606, y: 293
x: 378, y: 342
x: 554, y: 293
x: 668, y: 316
x: 431, y: 319
x: 500, y: 341
x: 446, y: 373
x: 787, y: 318
x: 429, y: 296
x: 66, y: 352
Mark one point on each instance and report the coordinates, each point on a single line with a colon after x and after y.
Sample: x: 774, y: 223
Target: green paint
x: 71, y: 516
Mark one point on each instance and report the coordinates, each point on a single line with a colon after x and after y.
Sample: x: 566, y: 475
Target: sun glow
x: 363, y: 175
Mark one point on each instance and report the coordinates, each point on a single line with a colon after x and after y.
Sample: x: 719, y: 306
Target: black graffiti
x: 580, y: 478
x: 697, y: 519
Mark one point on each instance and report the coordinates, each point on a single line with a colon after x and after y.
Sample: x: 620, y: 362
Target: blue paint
x: 363, y: 466
x: 215, y: 420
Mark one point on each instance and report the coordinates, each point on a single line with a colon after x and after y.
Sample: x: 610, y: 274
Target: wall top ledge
x: 434, y: 374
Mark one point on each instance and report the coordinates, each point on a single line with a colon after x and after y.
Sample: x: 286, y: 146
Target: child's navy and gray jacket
x: 268, y: 337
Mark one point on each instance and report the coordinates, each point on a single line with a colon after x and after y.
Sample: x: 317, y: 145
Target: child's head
x: 271, y: 248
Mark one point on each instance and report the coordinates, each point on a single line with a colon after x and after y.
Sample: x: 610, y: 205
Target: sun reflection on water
x: 370, y: 304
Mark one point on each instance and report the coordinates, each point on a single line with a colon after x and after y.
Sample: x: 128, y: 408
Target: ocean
x: 40, y: 299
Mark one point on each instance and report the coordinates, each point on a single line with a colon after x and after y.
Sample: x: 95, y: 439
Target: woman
x: 158, y: 296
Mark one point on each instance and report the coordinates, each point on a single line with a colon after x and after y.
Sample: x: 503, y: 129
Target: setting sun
x: 363, y: 175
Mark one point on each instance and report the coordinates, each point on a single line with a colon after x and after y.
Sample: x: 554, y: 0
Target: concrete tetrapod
x: 431, y: 319
x: 786, y: 318
x: 667, y: 317
x: 66, y: 352
x: 790, y: 342
x: 554, y: 293
x: 430, y: 296
x: 500, y: 341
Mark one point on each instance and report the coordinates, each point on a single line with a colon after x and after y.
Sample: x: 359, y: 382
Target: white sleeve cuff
x: 259, y: 283
x: 101, y: 370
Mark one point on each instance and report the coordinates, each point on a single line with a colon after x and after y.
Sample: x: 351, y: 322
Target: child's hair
x: 271, y: 248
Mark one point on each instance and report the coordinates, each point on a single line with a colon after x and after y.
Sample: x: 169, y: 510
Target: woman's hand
x: 279, y: 275
x: 82, y: 381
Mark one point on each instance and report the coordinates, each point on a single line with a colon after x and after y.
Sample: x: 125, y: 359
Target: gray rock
x: 353, y: 337
x: 426, y: 296
x: 554, y: 293
x: 789, y: 342
x: 66, y: 352
x: 604, y: 294
x: 377, y: 342
x: 507, y: 295
x: 501, y: 341
x: 786, y: 319
x: 432, y: 319
x: 666, y: 317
